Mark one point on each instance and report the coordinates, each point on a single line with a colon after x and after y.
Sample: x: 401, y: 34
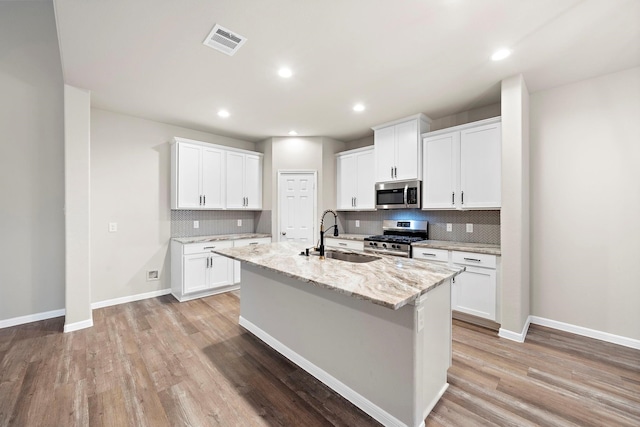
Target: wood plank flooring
x: 162, y: 363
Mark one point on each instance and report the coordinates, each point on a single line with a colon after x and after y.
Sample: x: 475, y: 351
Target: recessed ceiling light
x: 285, y: 72
x: 223, y: 113
x: 500, y: 54
x: 358, y: 107
x: 293, y: 133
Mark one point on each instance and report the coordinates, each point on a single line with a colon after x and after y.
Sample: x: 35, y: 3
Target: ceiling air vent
x: 224, y: 40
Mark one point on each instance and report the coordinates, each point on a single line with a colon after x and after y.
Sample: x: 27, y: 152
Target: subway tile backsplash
x: 211, y: 222
x: 486, y: 224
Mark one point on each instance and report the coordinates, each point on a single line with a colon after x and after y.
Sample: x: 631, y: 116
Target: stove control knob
x: 384, y: 245
x: 393, y: 246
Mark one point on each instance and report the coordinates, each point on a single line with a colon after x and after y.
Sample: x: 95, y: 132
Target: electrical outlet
x: 196, y: 224
x: 113, y: 227
x: 239, y: 223
x: 449, y: 227
x: 152, y: 275
x: 469, y: 228
x: 357, y: 223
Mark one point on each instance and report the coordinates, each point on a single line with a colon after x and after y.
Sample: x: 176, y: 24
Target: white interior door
x: 297, y: 205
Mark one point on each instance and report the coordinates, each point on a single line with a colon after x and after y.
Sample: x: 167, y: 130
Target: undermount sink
x: 350, y: 256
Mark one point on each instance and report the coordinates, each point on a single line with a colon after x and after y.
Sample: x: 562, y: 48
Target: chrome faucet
x: 322, y: 231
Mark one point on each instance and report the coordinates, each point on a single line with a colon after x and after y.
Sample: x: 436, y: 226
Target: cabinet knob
x: 284, y: 233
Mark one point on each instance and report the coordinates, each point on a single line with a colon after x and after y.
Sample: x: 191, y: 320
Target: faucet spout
x: 322, y: 230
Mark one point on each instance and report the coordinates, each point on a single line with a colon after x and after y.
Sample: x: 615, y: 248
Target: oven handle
x: 386, y: 252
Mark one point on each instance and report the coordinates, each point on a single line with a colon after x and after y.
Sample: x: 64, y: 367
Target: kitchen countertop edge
x: 479, y: 248
x: 220, y: 237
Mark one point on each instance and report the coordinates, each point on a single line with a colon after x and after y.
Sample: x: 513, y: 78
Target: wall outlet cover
x: 469, y: 228
x: 449, y: 227
x: 196, y: 224
x: 239, y: 223
x: 152, y: 275
x: 357, y: 223
x: 113, y: 227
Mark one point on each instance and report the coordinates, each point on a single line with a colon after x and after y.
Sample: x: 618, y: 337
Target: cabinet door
x: 253, y: 181
x: 407, y: 150
x: 440, y: 165
x: 474, y: 292
x: 195, y: 273
x: 384, y: 141
x: 347, y: 167
x: 221, y: 271
x: 235, y: 180
x: 213, y: 178
x: 480, y: 166
x: 366, y: 181
x: 189, y: 166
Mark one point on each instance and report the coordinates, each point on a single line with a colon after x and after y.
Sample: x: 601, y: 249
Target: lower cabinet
x: 475, y: 290
x: 356, y: 245
x: 246, y: 242
x: 197, y: 272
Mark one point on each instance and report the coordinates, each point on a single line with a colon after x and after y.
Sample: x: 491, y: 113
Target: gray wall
x: 585, y: 203
x: 130, y: 172
x: 31, y: 165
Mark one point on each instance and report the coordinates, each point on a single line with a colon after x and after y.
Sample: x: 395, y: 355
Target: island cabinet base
x: 392, y: 364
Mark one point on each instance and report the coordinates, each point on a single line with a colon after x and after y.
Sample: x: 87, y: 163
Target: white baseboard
x: 339, y: 387
x: 130, y: 298
x: 21, y: 320
x: 70, y: 327
x: 586, y: 332
x: 515, y: 336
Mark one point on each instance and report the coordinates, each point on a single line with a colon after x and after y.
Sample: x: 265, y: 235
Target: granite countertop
x: 347, y: 236
x: 479, y: 248
x: 219, y: 237
x: 392, y: 282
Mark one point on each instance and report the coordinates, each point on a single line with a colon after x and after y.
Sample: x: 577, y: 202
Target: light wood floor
x: 162, y: 363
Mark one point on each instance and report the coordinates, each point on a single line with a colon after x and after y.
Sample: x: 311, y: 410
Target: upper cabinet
x: 356, y: 179
x: 244, y: 181
x: 398, y: 149
x: 208, y: 176
x: 462, y: 167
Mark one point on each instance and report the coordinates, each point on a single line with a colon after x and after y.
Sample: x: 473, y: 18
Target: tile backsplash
x: 486, y: 224
x: 211, y: 222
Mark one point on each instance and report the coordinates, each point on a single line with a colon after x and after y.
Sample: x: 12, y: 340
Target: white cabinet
x: 197, y: 272
x: 244, y: 181
x: 398, y: 149
x: 462, y: 167
x: 197, y: 177
x: 208, y: 176
x: 356, y: 179
x: 355, y: 245
x: 474, y: 290
x: 246, y: 242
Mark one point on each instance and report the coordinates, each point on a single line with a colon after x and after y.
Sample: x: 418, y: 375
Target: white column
x: 514, y: 215
x: 77, y: 114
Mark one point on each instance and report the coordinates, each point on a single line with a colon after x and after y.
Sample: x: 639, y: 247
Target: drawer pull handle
x: 428, y: 254
x: 473, y: 259
x: 342, y: 244
x: 209, y: 247
x: 253, y: 243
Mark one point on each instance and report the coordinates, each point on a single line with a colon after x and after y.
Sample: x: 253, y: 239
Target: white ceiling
x: 146, y: 57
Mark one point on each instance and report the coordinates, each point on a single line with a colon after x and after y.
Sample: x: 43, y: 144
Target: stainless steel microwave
x: 398, y: 195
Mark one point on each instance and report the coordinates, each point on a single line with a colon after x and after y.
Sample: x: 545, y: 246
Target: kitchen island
x: 378, y: 333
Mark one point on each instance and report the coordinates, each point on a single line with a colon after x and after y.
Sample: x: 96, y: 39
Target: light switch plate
x: 357, y: 223
x: 196, y: 224
x: 113, y: 227
x: 239, y: 223
x: 469, y: 228
x: 449, y: 227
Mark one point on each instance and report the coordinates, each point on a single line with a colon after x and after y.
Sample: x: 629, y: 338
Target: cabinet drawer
x: 248, y: 242
x: 439, y: 255
x: 470, y: 258
x: 345, y: 244
x: 195, y: 248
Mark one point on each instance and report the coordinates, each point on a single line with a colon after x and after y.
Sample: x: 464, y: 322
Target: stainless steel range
x: 397, y: 238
